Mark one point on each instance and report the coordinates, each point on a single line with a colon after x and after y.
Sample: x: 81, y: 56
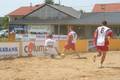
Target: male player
x: 71, y: 40
x: 51, y: 46
x: 101, y: 41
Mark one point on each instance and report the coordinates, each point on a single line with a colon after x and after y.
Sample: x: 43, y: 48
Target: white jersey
x: 74, y: 34
x: 101, y: 35
x: 51, y: 44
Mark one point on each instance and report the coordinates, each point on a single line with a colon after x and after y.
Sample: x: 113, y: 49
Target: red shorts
x: 102, y: 48
x: 70, y: 46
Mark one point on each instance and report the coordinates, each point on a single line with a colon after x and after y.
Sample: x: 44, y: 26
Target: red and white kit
x: 101, y: 38
x: 71, y: 42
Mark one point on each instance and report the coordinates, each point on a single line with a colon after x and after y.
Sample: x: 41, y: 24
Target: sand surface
x: 36, y: 68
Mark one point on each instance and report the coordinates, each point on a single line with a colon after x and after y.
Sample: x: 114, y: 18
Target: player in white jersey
x: 71, y: 41
x: 51, y: 46
x: 101, y: 41
x: 74, y: 34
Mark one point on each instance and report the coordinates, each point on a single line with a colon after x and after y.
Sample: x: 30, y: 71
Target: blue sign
x: 8, y: 49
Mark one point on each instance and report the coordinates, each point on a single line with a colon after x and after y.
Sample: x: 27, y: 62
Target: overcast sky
x: 6, y: 6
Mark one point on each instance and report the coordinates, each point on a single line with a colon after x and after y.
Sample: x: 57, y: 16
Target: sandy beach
x: 37, y: 68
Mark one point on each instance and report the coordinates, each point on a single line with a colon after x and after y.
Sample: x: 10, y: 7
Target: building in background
x: 111, y: 7
x: 47, y: 18
x: 42, y: 18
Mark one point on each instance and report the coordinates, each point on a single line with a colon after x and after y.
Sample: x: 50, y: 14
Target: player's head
x: 50, y: 36
x: 104, y: 23
x: 70, y: 37
x: 71, y: 27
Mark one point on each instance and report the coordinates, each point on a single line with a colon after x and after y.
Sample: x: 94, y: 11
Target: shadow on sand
x: 13, y: 58
x: 79, y: 57
x: 116, y: 68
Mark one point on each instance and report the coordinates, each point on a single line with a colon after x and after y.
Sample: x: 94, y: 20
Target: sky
x: 7, y: 6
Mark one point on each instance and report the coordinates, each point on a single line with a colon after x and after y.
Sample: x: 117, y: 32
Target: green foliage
x: 49, y: 1
x: 81, y: 11
x: 5, y: 22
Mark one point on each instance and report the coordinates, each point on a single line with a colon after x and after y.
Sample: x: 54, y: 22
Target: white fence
x: 91, y: 46
x: 17, y: 49
x: 8, y: 49
x: 38, y: 49
x: 38, y: 37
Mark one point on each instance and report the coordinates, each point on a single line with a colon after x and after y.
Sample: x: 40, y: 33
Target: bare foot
x: 62, y: 55
x: 101, y: 66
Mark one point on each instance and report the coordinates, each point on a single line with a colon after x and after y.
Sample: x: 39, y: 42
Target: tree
x: 82, y: 11
x: 49, y: 1
x: 5, y: 22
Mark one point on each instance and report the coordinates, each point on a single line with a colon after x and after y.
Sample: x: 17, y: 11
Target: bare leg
x: 98, y: 55
x: 62, y: 54
x: 103, y: 58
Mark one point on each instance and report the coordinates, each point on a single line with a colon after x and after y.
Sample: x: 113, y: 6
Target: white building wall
x: 41, y: 28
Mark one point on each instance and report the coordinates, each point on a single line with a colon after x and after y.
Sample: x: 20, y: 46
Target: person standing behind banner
x: 51, y: 46
x: 101, y: 41
x: 71, y: 41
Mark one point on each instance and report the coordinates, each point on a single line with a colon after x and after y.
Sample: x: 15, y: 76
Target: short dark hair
x: 49, y: 36
x: 104, y: 23
x: 72, y: 27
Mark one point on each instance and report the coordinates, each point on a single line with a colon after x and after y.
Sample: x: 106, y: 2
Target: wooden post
x: 20, y: 48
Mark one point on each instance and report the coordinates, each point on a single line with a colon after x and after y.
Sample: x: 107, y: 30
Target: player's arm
x: 95, y: 38
x: 76, y: 36
x: 110, y: 33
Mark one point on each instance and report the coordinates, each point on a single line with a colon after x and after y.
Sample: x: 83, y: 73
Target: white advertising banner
x: 37, y: 50
x: 9, y: 49
x: 91, y: 46
x: 60, y: 37
x: 55, y: 37
x: 38, y: 37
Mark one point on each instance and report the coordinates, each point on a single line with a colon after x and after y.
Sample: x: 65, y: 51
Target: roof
x: 68, y: 10
x: 22, y: 11
x: 113, y: 7
x: 113, y: 18
x: 38, y: 21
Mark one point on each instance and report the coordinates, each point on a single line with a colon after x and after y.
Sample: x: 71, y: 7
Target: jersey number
x: 102, y: 30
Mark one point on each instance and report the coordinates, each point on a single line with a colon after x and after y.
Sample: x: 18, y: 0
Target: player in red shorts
x: 69, y: 44
x: 101, y: 41
x: 71, y: 40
